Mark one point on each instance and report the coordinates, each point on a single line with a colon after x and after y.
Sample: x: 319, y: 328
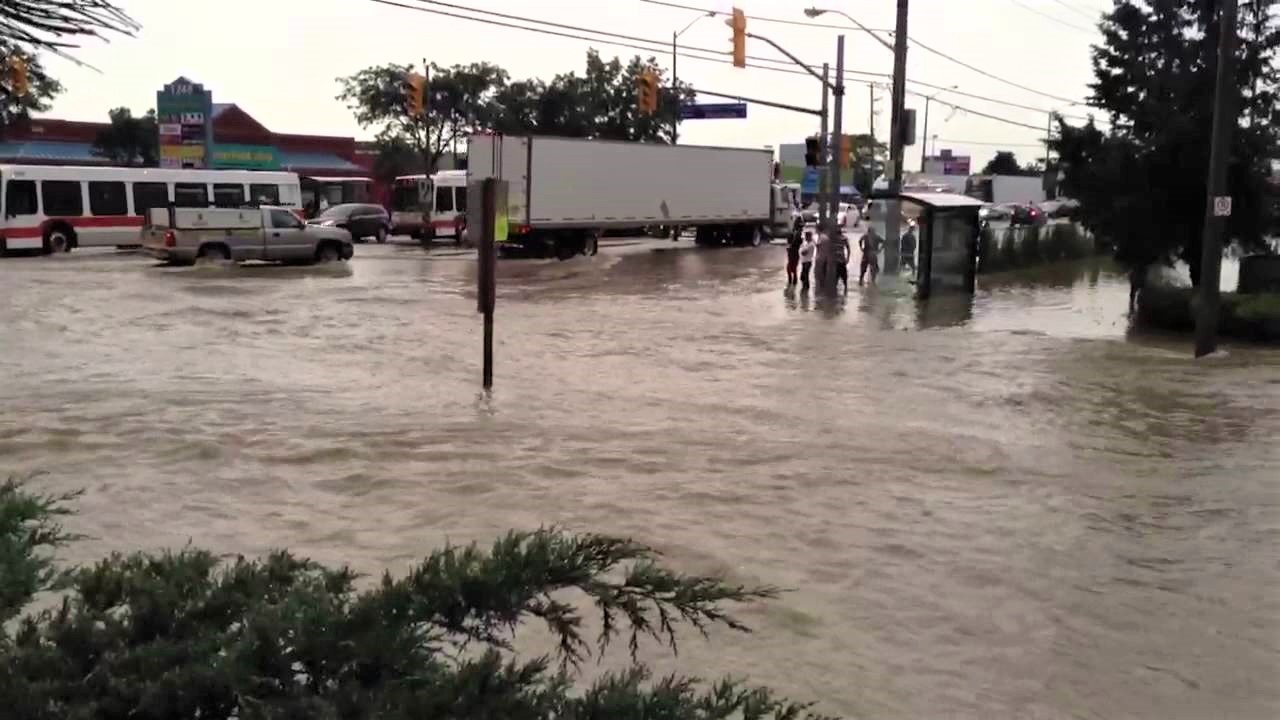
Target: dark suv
x: 361, y: 220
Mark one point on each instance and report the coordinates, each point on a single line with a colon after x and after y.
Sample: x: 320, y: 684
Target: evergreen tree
x: 1143, y: 182
x: 185, y: 635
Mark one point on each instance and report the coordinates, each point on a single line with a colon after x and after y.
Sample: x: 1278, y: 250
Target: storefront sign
x: 244, y: 157
x: 183, y: 109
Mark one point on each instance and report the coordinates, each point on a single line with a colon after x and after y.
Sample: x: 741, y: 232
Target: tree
x: 129, y: 140
x: 1004, y: 163
x: 457, y: 100
x: 868, y: 160
x: 186, y: 635
x: 1142, y: 183
x: 41, y: 89
x: 45, y: 25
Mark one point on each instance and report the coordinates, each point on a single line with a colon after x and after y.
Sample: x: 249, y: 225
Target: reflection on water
x: 988, y: 507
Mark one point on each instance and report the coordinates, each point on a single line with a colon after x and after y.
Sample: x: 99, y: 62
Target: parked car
x: 361, y: 220
x: 994, y: 213
x: 1060, y: 209
x: 182, y: 236
x: 1028, y: 214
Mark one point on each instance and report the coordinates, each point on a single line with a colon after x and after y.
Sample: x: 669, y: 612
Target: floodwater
x: 997, y: 507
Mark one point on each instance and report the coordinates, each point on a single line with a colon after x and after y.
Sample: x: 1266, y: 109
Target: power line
x: 989, y: 144
x: 1043, y: 14
x: 910, y: 39
x: 628, y: 41
x: 1078, y: 11
x: 662, y: 46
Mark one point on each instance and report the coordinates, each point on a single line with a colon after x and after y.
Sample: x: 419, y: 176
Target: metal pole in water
x: 1218, y: 203
x: 487, y: 276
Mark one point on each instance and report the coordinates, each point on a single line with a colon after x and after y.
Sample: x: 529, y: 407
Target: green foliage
x: 41, y: 92
x: 1006, y: 163
x: 1248, y: 317
x: 1142, y: 184
x: 869, y: 156
x: 129, y: 140
x: 458, y: 100
x: 186, y: 635
x: 600, y: 103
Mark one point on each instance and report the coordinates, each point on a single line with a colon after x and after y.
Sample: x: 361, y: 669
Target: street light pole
x: 675, y: 77
x: 924, y: 135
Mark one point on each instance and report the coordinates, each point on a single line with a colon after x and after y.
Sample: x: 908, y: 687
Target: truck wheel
x: 756, y: 236
x: 593, y: 246
x: 381, y: 235
x: 209, y: 254
x: 327, y: 253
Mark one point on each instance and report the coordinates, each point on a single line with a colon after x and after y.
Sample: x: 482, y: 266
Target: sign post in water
x: 487, y: 223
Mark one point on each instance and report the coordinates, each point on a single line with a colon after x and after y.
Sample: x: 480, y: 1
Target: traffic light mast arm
x: 796, y: 60
x: 770, y: 103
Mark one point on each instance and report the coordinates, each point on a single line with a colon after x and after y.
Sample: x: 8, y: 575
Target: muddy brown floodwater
x: 998, y: 508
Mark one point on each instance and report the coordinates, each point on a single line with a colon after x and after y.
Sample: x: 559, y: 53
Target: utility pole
x: 924, y: 136
x: 899, y: 99
x: 826, y: 263
x: 871, y: 115
x: 675, y: 91
x: 1218, y: 203
x: 822, y: 145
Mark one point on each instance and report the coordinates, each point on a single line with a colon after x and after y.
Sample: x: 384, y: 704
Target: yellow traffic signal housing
x: 647, y: 92
x: 415, y: 93
x: 739, y: 24
x: 16, y: 72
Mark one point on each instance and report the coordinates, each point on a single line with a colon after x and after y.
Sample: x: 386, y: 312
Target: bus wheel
x: 58, y: 239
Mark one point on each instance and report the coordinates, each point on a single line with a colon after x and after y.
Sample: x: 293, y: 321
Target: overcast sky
x: 278, y: 59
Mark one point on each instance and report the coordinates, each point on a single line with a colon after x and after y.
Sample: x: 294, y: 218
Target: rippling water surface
x: 1001, y: 507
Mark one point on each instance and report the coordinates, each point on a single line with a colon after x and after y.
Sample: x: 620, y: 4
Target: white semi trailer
x: 563, y: 192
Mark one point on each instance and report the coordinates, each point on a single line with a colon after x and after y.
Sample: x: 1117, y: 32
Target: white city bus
x: 57, y: 208
x: 428, y: 207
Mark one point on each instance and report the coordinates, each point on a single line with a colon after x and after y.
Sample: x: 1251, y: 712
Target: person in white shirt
x: 807, y: 249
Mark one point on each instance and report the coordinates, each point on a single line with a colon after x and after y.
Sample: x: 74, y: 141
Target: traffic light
x: 739, y: 24
x: 811, y: 151
x: 846, y: 150
x: 415, y: 93
x: 16, y: 73
x: 647, y: 92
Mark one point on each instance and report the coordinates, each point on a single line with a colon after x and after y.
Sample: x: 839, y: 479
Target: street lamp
x: 814, y: 12
x: 924, y: 146
x: 675, y: 79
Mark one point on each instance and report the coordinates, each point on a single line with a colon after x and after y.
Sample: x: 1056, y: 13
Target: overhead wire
x: 911, y: 40
x: 1047, y: 16
x: 661, y: 45
x: 628, y: 41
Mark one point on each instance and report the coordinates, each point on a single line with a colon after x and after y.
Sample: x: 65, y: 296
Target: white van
x: 428, y: 207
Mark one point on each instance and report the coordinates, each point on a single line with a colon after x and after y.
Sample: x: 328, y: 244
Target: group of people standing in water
x: 803, y: 247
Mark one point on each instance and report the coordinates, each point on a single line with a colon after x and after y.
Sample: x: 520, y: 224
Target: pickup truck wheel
x: 381, y: 236
x: 213, y: 254
x: 327, y: 253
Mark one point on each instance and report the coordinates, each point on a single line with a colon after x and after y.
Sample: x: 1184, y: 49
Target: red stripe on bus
x: 115, y: 221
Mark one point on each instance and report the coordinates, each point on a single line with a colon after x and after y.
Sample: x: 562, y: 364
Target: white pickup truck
x: 182, y: 236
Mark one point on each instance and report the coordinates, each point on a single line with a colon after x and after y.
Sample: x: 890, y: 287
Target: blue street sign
x: 713, y: 111
x: 809, y: 183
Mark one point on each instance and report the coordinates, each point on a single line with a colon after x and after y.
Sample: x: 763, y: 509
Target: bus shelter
x: 947, y: 228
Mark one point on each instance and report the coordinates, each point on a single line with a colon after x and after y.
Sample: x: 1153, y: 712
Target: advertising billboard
x: 244, y: 157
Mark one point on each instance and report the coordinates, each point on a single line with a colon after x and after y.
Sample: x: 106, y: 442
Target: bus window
x: 62, y: 198
x: 147, y: 195
x: 265, y: 194
x: 444, y: 199
x: 108, y: 198
x: 194, y: 195
x: 404, y: 196
x: 20, y: 198
x: 461, y: 199
x: 228, y: 195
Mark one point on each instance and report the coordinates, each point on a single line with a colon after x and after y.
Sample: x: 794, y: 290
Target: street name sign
x: 713, y: 111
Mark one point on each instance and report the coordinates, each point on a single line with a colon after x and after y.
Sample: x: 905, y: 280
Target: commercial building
x: 194, y: 132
